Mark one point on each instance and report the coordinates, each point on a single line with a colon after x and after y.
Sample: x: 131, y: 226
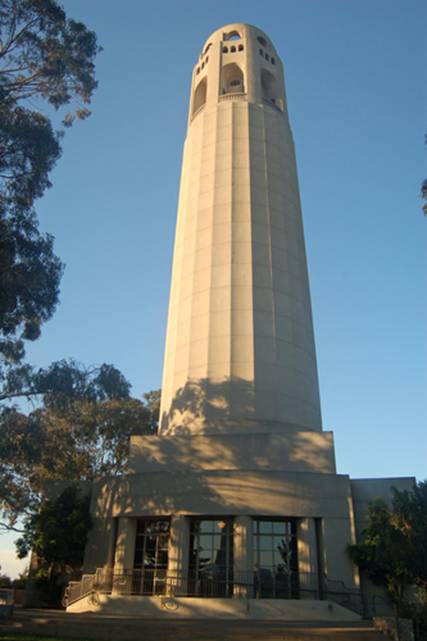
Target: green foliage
x: 45, y: 57
x: 29, y: 149
x: 29, y: 286
x: 86, y: 415
x: 18, y: 584
x: 410, y: 518
x: 424, y: 187
x: 424, y: 195
x: 393, y: 551
x: 5, y: 581
x: 58, y: 532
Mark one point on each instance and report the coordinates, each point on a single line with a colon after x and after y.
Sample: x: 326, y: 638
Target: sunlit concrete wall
x: 241, y: 493
x: 288, y: 451
x: 240, y: 347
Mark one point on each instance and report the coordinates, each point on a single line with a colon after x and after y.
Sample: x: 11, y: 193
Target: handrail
x: 214, y: 581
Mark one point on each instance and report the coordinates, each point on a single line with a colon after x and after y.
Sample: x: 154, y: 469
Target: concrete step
x: 116, y: 628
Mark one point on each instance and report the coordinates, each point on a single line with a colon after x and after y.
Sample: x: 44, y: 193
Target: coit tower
x: 240, y: 349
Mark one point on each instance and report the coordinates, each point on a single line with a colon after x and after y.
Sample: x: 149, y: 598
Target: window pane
x: 211, y: 568
x: 275, y: 559
x: 265, y: 559
x: 162, y: 558
x: 205, y: 543
x: 278, y: 527
x: 206, y: 527
x: 151, y: 556
x: 265, y: 527
x: 265, y: 542
x: 138, y: 559
x: 217, y: 541
x: 163, y: 541
x: 140, y: 526
x: 195, y: 527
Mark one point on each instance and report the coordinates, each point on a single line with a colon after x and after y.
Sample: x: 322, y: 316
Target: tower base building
x: 235, y: 508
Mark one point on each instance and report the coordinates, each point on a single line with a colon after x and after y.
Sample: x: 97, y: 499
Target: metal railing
x: 76, y: 590
x: 350, y: 598
x: 272, y: 103
x: 260, y: 584
x: 233, y: 96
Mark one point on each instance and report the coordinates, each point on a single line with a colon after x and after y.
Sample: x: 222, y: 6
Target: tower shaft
x: 240, y: 347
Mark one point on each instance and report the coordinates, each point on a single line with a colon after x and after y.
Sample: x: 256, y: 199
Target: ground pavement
x: 117, y: 628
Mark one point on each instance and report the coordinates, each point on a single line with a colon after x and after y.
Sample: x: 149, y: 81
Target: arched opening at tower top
x: 271, y: 89
x: 232, y: 35
x: 200, y: 95
x: 232, y: 79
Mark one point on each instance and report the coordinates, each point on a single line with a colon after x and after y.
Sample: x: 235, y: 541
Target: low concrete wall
x: 191, y: 607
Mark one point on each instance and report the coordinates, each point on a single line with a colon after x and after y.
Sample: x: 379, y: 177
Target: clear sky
x: 355, y: 78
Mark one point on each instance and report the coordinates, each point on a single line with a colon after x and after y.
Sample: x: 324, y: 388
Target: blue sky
x: 355, y: 80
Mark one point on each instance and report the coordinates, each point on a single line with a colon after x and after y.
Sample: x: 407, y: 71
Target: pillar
x: 104, y: 574
x: 124, y: 555
x: 308, y: 562
x: 243, y: 557
x: 178, y: 555
x: 112, y: 538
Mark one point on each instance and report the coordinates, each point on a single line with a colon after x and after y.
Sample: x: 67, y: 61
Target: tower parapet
x: 237, y: 62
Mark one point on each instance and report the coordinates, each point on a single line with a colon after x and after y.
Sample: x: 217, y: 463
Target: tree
x: 57, y: 535
x: 45, y: 57
x: 382, y: 553
x: 424, y: 187
x: 424, y: 196
x: 410, y: 518
x: 29, y: 286
x: 5, y: 580
x: 81, y: 430
x: 393, y: 551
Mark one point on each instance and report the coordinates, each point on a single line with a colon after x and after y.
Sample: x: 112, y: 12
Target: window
x: 240, y: 47
x: 233, y: 49
x: 232, y: 80
x: 273, y: 61
x: 275, y: 559
x: 200, y: 95
x: 262, y: 41
x: 261, y: 52
x: 267, y: 57
x: 225, y: 50
x: 233, y: 35
x: 271, y: 92
x: 211, y: 557
x: 151, y: 556
x: 207, y: 48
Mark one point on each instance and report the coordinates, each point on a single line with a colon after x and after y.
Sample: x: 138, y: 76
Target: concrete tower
x: 240, y: 347
x: 235, y: 509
